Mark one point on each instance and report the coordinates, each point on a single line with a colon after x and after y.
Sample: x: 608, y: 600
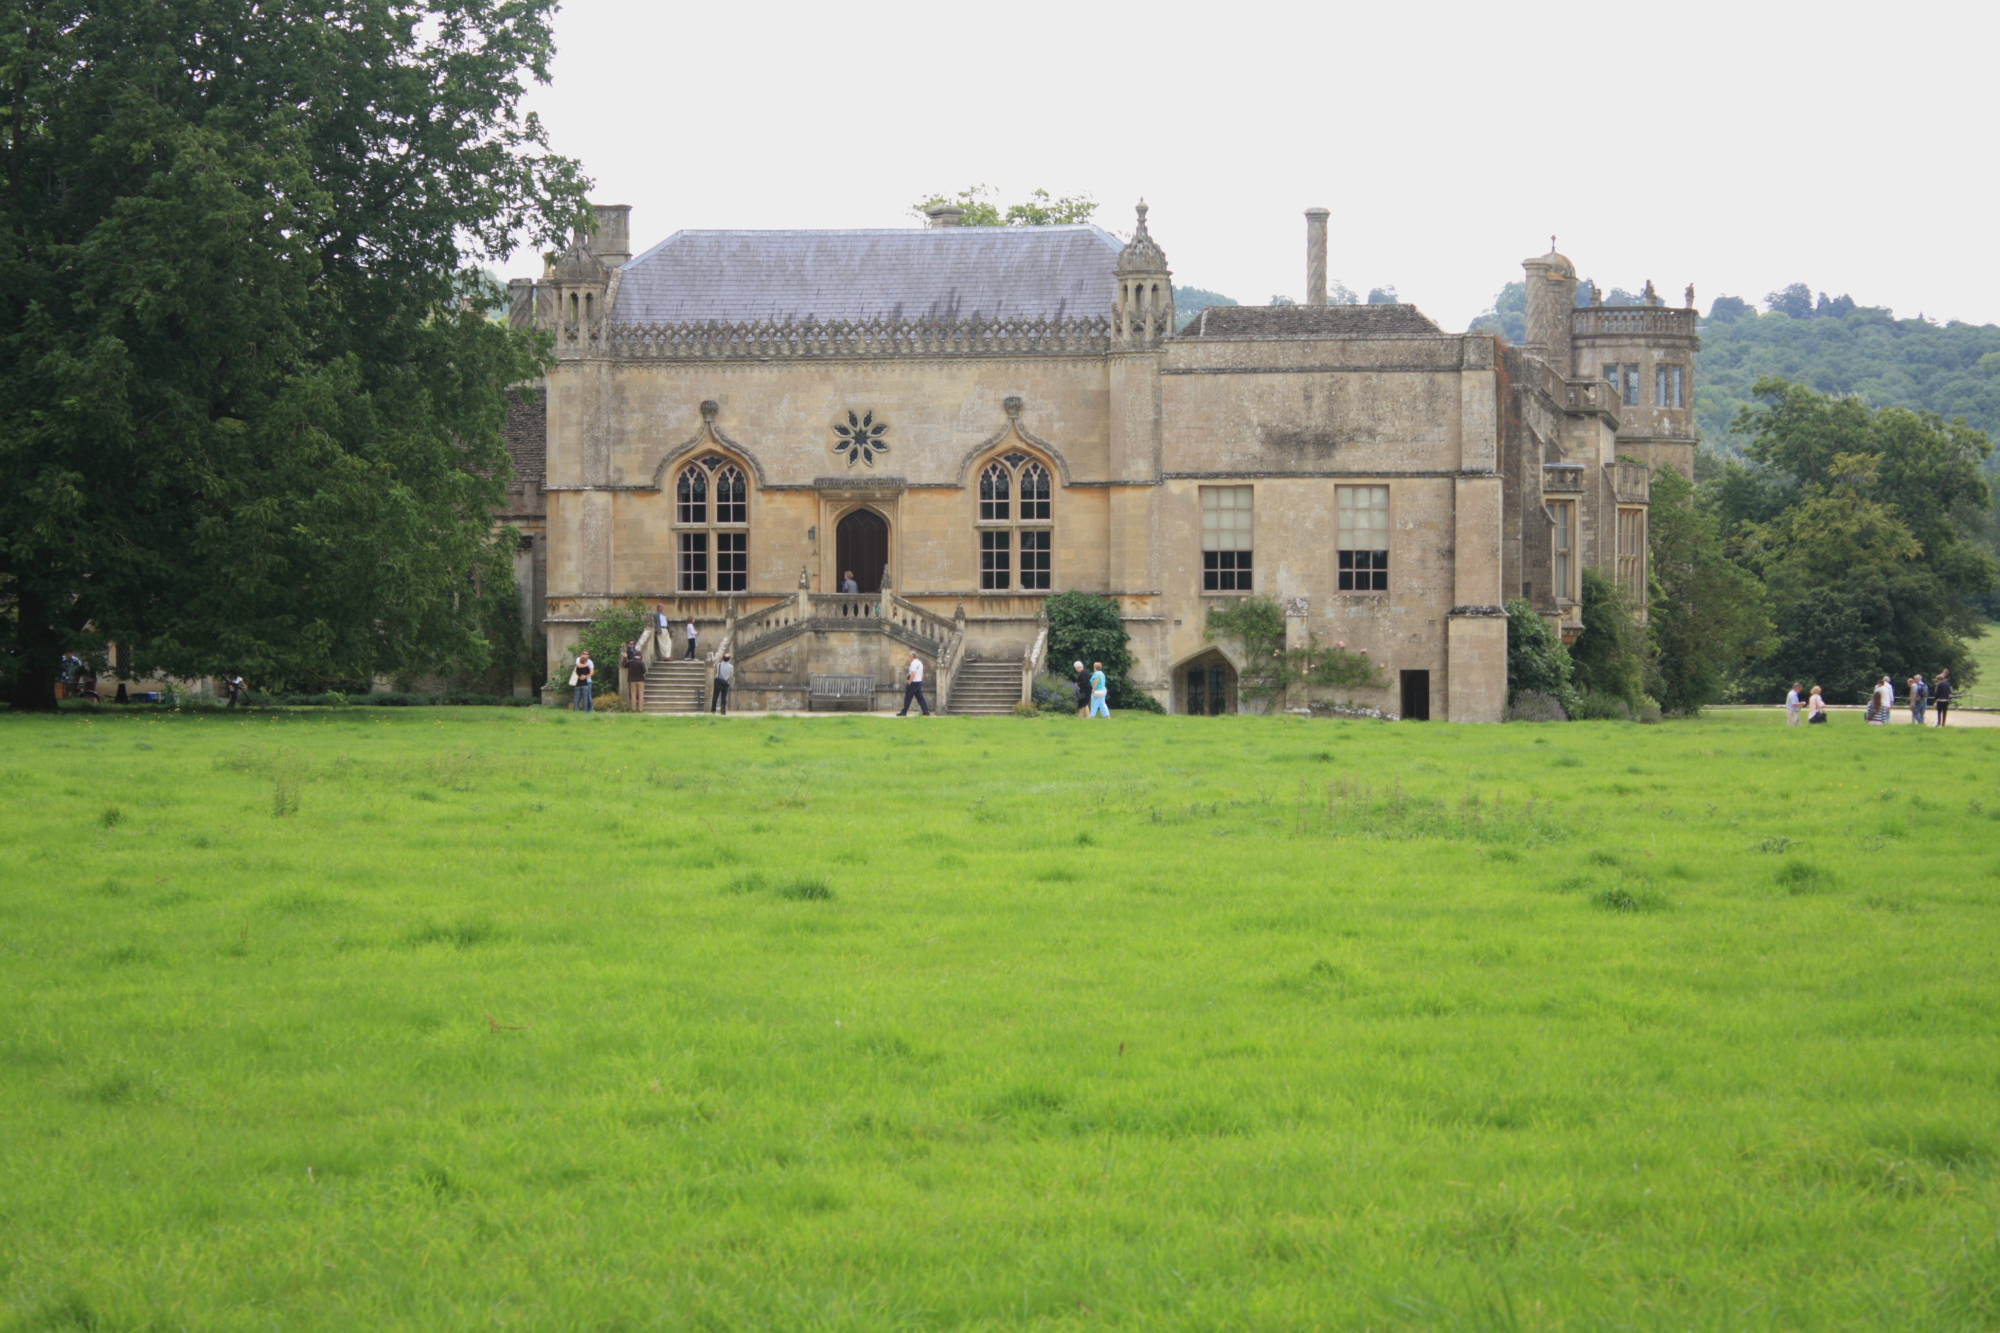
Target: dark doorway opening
x: 861, y: 543
x: 1416, y: 696
x: 1205, y: 689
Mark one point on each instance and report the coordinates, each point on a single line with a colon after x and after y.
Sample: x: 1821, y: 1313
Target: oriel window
x: 1667, y: 386
x: 1226, y: 542
x: 1632, y: 553
x: 1565, y: 548
x: 1364, y: 537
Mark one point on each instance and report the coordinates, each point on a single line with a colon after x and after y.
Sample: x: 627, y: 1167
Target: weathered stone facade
x: 737, y: 419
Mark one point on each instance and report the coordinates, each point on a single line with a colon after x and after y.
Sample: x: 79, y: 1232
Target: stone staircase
x: 679, y: 686
x: 984, y: 689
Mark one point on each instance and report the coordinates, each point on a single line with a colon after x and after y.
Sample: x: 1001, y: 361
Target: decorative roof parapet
x: 710, y: 340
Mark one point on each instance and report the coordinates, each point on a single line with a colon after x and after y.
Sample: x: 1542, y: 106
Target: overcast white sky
x: 1740, y: 146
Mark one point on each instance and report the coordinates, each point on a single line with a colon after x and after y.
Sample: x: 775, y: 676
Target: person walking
x: 1815, y: 708
x: 1920, y: 694
x: 914, y: 688
x: 725, y: 673
x: 690, y: 633
x: 635, y: 678
x: 1082, y: 691
x: 581, y: 702
x: 848, y: 585
x: 1941, y: 694
x: 1792, y: 705
x: 1098, y: 691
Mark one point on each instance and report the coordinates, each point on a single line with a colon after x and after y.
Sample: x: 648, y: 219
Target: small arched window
x: 1016, y: 541
x: 711, y: 558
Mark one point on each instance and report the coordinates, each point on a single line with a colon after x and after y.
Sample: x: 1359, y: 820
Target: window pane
x: 1631, y: 386
x: 994, y: 566
x: 694, y: 562
x: 1225, y: 571
x: 692, y: 496
x: 1035, y: 559
x: 1034, y: 494
x: 1363, y: 564
x: 993, y: 487
x: 1225, y: 518
x: 732, y: 561
x: 732, y: 504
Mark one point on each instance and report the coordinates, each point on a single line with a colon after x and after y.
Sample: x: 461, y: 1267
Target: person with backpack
x: 1941, y: 694
x: 580, y: 679
x: 1920, y: 694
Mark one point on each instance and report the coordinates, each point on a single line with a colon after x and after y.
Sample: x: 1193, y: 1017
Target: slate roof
x: 1311, y: 321
x: 910, y: 273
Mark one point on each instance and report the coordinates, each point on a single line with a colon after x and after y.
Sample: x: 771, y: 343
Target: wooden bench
x: 842, y: 689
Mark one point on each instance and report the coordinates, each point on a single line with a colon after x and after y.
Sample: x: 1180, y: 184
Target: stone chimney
x: 1316, y: 256
x: 943, y: 215
x: 613, y: 241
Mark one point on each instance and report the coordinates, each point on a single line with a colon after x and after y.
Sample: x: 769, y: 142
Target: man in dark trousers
x: 725, y: 672
x: 1941, y: 694
x: 915, y: 688
x: 690, y: 652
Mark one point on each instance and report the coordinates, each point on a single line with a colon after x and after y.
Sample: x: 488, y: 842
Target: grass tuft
x: 1798, y: 877
x: 807, y: 888
x: 110, y: 817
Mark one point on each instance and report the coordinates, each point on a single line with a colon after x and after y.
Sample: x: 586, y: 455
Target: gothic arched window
x: 1016, y: 541
x: 713, y: 554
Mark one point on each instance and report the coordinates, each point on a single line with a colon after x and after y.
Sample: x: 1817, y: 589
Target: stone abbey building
x: 968, y: 419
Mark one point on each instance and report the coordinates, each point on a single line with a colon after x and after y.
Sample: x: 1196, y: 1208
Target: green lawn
x: 472, y: 1018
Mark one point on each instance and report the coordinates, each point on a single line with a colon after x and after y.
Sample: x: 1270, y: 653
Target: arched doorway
x: 861, y: 543
x: 1205, y: 686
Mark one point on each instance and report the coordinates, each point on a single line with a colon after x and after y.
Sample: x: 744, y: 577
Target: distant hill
x: 1191, y: 301
x: 1830, y: 344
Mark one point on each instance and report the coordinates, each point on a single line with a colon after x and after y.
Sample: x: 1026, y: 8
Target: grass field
x: 476, y: 1018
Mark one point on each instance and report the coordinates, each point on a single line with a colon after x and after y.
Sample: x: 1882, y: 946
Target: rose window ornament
x: 860, y: 438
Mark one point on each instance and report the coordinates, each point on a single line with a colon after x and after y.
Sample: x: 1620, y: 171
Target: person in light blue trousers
x: 1097, y: 691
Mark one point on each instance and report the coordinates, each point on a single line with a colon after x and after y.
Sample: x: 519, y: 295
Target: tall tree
x: 250, y: 415
x: 1708, y: 617
x: 1875, y: 564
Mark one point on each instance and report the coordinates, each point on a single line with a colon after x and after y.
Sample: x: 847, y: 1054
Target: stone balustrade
x: 1651, y: 321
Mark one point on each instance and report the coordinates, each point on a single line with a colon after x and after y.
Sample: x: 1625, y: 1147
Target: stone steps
x: 679, y: 686
x: 985, y: 689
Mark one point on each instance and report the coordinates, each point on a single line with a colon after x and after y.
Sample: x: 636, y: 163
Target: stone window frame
x: 1377, y: 573
x: 1631, y: 552
x: 711, y: 552
x: 1239, y: 575
x: 1626, y: 381
x: 1005, y: 534
x: 1563, y: 548
x: 1669, y: 384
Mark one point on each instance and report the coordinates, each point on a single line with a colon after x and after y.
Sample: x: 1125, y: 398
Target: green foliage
x: 1872, y: 563
x: 1357, y: 971
x: 1087, y: 628
x: 1271, y: 671
x: 1708, y: 617
x: 1536, y: 659
x: 606, y: 638
x: 1608, y: 657
x: 1838, y: 348
x: 1039, y: 209
x: 252, y: 401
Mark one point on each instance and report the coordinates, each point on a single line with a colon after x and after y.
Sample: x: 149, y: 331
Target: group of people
x: 1091, y: 691
x: 1881, y: 701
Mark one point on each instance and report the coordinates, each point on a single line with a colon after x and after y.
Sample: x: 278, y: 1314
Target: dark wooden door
x: 1416, y: 696
x: 861, y: 543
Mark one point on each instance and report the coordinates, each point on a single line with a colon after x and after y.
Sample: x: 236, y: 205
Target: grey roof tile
x: 908, y: 273
x: 1311, y: 321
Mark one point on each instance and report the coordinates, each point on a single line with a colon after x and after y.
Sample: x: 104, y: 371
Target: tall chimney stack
x: 1316, y: 256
